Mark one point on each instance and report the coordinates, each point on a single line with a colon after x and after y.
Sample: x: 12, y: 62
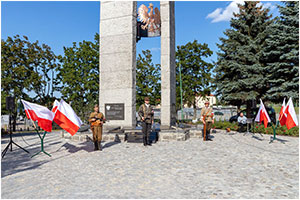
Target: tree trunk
x: 249, y: 105
x: 195, y: 110
x: 238, y: 108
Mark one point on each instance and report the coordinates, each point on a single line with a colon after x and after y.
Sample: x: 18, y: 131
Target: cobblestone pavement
x: 231, y: 166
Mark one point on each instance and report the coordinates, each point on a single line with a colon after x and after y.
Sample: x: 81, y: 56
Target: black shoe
x: 208, y: 139
x: 149, y: 144
x: 145, y: 144
x: 100, y: 147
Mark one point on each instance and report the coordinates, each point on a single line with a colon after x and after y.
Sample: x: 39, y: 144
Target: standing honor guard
x: 208, y: 120
x: 146, y: 114
x: 96, y: 120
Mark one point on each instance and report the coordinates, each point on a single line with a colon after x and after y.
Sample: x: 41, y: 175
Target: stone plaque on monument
x: 114, y: 111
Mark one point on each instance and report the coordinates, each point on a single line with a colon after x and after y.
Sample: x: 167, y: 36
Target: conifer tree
x: 282, y: 53
x: 241, y: 75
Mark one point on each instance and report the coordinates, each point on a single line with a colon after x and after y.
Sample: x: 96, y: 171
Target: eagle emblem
x: 151, y: 20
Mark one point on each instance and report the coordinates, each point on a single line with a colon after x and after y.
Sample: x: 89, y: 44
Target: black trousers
x: 146, y: 132
x: 242, y: 127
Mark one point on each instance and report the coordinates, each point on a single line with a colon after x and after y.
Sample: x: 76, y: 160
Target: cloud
x: 267, y: 5
x: 225, y: 14
x: 221, y: 14
x: 215, y: 14
x: 155, y: 49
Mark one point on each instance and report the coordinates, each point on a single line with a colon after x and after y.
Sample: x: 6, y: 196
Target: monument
x: 118, y: 36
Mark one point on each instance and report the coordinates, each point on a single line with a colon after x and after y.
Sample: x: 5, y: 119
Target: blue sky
x: 60, y: 23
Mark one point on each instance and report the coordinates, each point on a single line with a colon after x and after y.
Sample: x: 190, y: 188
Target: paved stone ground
x: 231, y: 166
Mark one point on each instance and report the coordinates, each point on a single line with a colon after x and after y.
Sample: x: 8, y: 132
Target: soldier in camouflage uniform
x: 96, y: 120
x: 207, y: 118
x: 146, y: 114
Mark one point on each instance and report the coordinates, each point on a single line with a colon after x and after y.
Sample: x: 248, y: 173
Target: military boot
x: 144, y: 141
x: 208, y: 137
x: 96, y: 146
x: 100, y: 147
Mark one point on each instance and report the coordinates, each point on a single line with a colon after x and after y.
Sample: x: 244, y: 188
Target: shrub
x: 258, y: 128
x: 225, y: 124
x: 281, y: 130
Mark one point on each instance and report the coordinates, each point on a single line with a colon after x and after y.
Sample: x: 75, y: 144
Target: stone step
x: 135, y: 135
x: 88, y: 136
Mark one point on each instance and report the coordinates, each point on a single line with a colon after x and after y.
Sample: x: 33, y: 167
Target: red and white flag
x: 38, y: 113
x: 262, y: 115
x: 66, y: 118
x: 55, y: 106
x: 291, y: 117
x: 282, y: 115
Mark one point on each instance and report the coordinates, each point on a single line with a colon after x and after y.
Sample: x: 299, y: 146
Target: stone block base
x: 173, y: 135
x: 195, y: 133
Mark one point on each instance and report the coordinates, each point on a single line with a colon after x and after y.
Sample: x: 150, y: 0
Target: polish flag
x: 55, y: 106
x: 38, y: 113
x: 291, y: 118
x: 282, y: 114
x: 66, y: 118
x: 262, y: 115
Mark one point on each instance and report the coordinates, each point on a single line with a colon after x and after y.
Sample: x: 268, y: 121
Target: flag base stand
x: 42, y: 144
x: 280, y: 140
x: 274, y: 136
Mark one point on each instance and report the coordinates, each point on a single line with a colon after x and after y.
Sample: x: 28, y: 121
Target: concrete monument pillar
x: 118, y: 62
x: 168, y: 66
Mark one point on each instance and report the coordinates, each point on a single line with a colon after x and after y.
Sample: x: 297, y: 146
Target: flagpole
x: 181, y: 93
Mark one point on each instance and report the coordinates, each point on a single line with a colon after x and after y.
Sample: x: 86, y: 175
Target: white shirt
x: 242, y: 120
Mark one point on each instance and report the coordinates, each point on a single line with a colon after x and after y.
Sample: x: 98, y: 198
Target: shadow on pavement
x: 109, y: 144
x: 72, y: 148
x: 18, y: 161
x: 257, y: 138
x: 278, y: 139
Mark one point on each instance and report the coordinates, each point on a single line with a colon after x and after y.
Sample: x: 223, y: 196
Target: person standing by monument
x: 146, y: 114
x: 96, y: 120
x: 207, y: 119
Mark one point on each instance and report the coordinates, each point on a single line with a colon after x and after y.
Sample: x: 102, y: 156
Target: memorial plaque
x: 114, y: 111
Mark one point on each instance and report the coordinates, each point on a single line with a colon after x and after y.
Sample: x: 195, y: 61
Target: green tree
x: 25, y: 69
x: 282, y: 53
x: 195, y: 72
x: 241, y: 73
x: 147, y: 79
x: 79, y: 76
